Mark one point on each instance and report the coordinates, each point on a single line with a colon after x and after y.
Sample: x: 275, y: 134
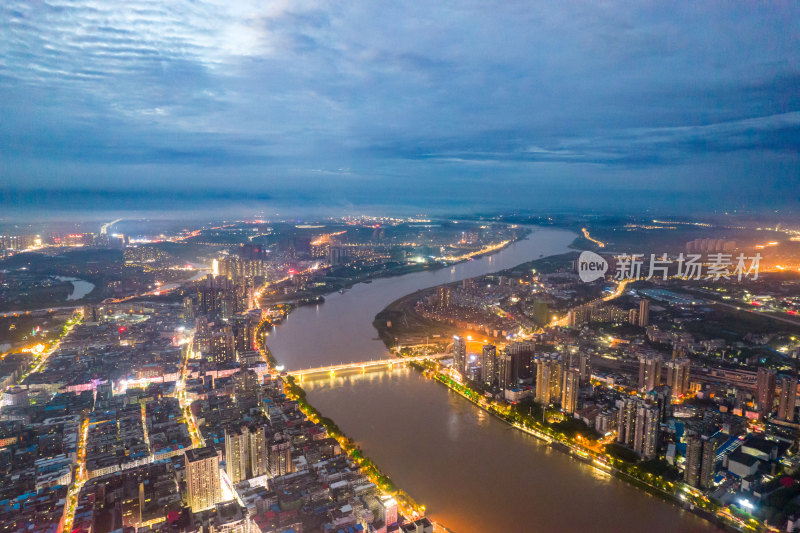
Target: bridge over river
x: 394, y: 361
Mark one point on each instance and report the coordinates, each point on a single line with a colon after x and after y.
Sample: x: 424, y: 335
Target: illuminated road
x: 180, y: 388
x: 80, y: 468
x: 78, y: 479
x: 486, y: 250
x: 104, y: 227
x: 564, y: 321
x: 759, y: 313
x: 48, y: 351
x: 589, y: 238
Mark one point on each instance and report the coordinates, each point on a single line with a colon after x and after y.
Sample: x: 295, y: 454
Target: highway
x: 589, y: 238
x: 759, y: 313
x: 104, y: 227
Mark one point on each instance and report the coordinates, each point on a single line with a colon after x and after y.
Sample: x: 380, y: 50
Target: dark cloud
x: 471, y: 100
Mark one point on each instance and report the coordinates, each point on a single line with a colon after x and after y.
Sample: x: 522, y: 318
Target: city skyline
x: 422, y: 267
x: 256, y: 376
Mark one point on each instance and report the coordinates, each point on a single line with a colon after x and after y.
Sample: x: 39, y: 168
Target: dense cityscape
x: 159, y: 406
x: 310, y: 266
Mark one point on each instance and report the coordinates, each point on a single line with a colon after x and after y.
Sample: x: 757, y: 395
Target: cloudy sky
x: 514, y: 103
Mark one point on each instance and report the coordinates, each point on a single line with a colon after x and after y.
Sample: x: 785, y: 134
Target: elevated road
x: 104, y: 227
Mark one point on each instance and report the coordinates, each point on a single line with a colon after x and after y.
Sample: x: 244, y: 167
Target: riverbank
x: 453, y: 458
x: 400, y: 324
x: 398, y: 320
x: 614, y: 467
x: 344, y: 284
x: 407, y: 505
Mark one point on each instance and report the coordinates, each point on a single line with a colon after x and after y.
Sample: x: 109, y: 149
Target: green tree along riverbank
x: 569, y: 436
x: 655, y: 477
x: 295, y: 392
x: 353, y: 451
x: 407, y: 326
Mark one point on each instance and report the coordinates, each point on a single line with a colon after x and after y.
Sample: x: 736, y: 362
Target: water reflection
x: 472, y: 471
x: 340, y: 330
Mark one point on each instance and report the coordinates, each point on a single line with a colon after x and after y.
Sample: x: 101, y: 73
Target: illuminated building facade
x: 649, y: 372
x: 569, y: 392
x: 203, y: 478
x: 644, y: 313
x: 788, y: 398
x: 489, y: 365
x: 459, y: 354
x: 678, y: 376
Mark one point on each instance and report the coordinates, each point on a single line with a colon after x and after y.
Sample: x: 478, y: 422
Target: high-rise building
x: 388, y: 507
x: 649, y: 372
x: 211, y: 295
x: 244, y: 332
x: 337, y: 255
x: 788, y: 398
x: 489, y: 365
x: 235, y: 267
x: 644, y: 312
x: 548, y: 380
x: 443, y: 298
x: 661, y: 399
x: 541, y: 314
x: 460, y: 354
x: 543, y: 381
x: 579, y: 316
x: 585, y: 367
x: 280, y: 457
x: 505, y: 370
x: 230, y: 517
x: 259, y: 457
x: 678, y: 376
x: 709, y: 466
x: 237, y: 454
x: 245, y: 381
x: 569, y: 391
x: 626, y: 422
x: 556, y: 380
x: 222, y: 345
x: 765, y: 390
x: 638, y: 425
x: 202, y: 478
x: 522, y: 354
x: 701, y: 460
x: 246, y: 452
x: 188, y: 308
x: 645, y: 441
x: 694, y: 456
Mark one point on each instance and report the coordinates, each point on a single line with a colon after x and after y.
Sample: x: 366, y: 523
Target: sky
x: 677, y: 105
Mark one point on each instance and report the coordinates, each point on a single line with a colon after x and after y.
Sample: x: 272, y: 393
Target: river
x: 473, y: 472
x: 80, y: 288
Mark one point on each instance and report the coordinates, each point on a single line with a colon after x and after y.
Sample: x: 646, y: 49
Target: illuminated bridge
x: 104, y: 227
x: 394, y: 361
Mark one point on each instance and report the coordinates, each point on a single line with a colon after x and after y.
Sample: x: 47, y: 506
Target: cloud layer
x: 468, y: 99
